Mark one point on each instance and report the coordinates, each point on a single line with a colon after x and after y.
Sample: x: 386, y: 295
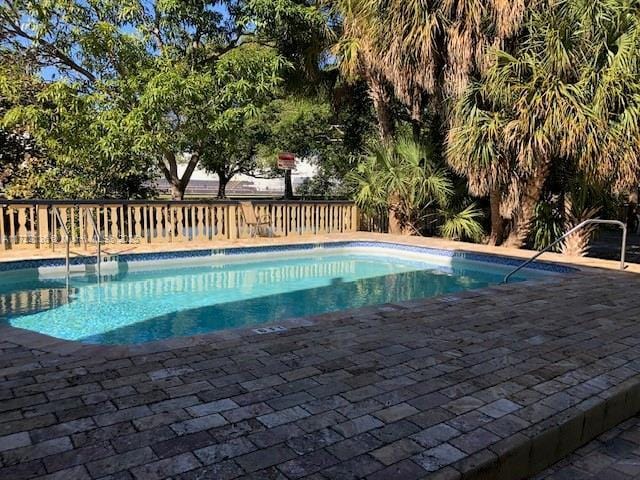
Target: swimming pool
x: 141, y: 298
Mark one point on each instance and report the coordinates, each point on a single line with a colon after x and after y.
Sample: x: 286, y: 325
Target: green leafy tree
x: 328, y: 130
x: 82, y: 156
x: 341, y: 146
x: 310, y: 126
x: 17, y: 146
x: 306, y: 118
x: 301, y: 30
x: 301, y: 125
x: 146, y: 81
x: 234, y: 151
x: 16, y: 150
x: 298, y: 124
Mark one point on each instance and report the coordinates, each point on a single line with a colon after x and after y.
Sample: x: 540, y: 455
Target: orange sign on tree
x: 286, y: 161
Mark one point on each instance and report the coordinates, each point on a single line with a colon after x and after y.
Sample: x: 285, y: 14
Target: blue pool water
x: 141, y: 306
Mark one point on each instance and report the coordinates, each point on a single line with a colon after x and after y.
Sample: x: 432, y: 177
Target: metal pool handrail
x: 573, y: 230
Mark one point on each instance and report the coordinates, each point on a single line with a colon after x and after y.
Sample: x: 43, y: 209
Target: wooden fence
x: 377, y: 222
x: 29, y: 224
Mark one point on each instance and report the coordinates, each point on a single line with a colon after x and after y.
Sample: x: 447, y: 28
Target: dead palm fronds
x: 424, y: 50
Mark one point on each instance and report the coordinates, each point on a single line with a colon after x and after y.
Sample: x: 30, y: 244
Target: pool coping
x: 32, y: 339
x: 44, y: 341
x: 434, y: 242
x: 50, y: 344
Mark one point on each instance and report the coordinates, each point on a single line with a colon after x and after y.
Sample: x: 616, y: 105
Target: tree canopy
x: 153, y: 82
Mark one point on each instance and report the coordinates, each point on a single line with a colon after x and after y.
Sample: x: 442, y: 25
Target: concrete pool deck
x: 492, y: 383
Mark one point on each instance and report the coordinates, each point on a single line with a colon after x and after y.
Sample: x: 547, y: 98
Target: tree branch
x: 165, y: 171
x: 52, y: 51
x: 191, y: 166
x: 169, y: 167
x: 241, y: 39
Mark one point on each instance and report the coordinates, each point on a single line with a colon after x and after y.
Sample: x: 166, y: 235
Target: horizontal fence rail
x: 34, y: 224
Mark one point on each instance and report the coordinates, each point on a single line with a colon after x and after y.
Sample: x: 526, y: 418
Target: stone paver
x: 524, y: 373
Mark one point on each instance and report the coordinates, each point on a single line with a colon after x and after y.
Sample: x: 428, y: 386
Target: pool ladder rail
x: 573, y: 230
x: 96, y: 237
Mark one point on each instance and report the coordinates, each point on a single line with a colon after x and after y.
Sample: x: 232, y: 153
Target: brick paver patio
x: 500, y: 381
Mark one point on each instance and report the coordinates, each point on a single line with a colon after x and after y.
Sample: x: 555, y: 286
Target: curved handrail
x: 573, y: 230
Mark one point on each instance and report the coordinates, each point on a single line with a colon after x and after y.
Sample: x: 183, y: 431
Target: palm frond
x: 461, y: 225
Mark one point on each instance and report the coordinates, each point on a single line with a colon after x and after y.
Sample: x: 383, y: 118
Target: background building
x: 204, y: 184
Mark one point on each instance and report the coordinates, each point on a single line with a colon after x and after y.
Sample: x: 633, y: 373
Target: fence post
x: 355, y: 218
x: 233, y: 223
x: 43, y: 226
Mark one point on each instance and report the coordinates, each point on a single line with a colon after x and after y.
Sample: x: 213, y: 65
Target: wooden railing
x: 29, y: 224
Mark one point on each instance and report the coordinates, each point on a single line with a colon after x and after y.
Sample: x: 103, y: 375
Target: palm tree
x: 424, y: 51
x: 403, y: 180
x: 569, y: 93
x: 476, y: 149
x: 359, y: 58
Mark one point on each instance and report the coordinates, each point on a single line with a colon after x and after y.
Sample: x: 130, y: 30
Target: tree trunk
x: 169, y: 168
x: 177, y: 191
x: 523, y: 217
x: 222, y: 185
x: 397, y: 224
x: 288, y: 187
x: 415, y: 113
x: 381, y: 101
x: 497, y: 222
x: 632, y: 219
x: 416, y: 130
